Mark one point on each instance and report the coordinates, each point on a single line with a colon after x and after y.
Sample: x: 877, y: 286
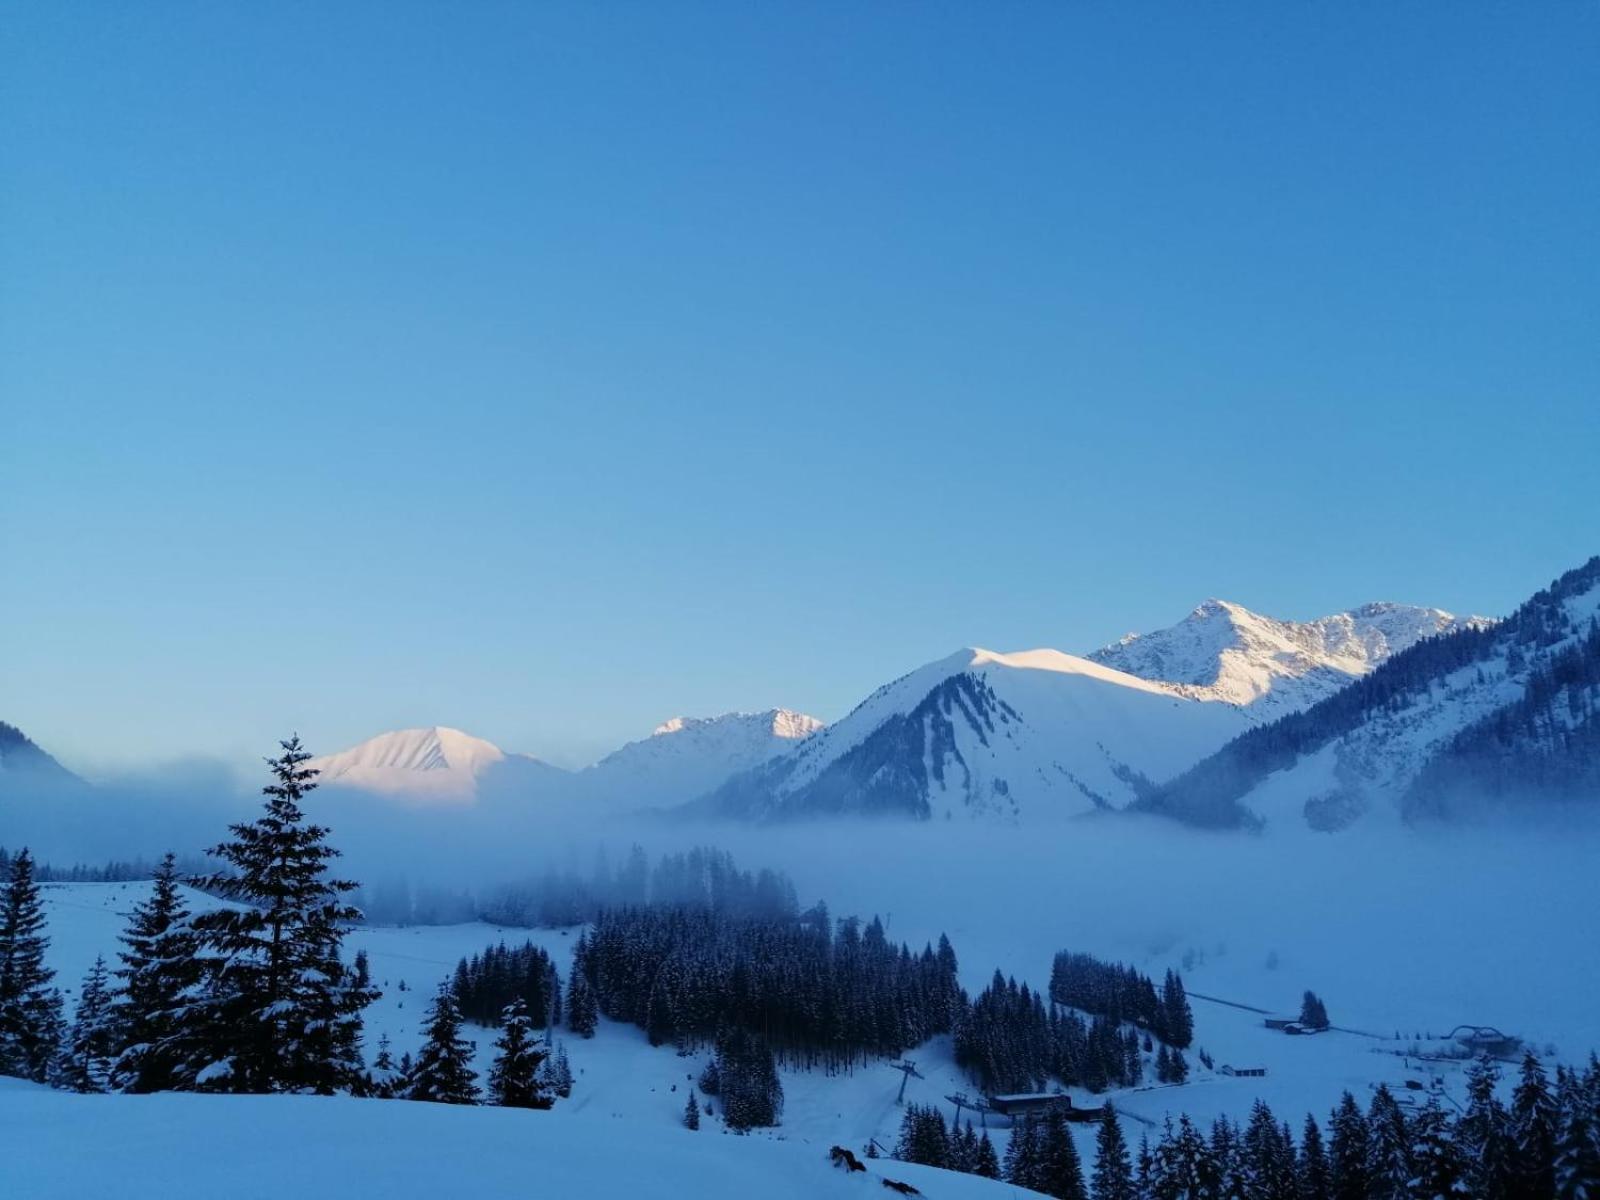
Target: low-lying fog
x: 1399, y: 930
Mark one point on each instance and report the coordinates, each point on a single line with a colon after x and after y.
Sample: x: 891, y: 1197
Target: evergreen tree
x: 1436, y: 1162
x: 1022, y: 1166
x: 1113, y: 1172
x: 1533, y: 1133
x: 278, y: 1005
x: 1577, y: 1151
x: 157, y: 972
x: 514, y: 1079
x: 1267, y: 1158
x: 1390, y: 1168
x: 1178, y: 1019
x: 985, y: 1161
x: 443, y: 1073
x: 582, y: 1010
x: 30, y: 1008
x: 1315, y: 1177
x: 1349, y: 1152
x: 1313, y: 1013
x: 691, y: 1112
x: 1060, y: 1170
x: 386, y: 1079
x: 558, y: 1073
x: 747, y: 1079
x: 85, y: 1064
x: 1484, y: 1135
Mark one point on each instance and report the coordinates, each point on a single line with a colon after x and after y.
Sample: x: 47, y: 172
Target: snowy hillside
x: 24, y: 764
x: 1492, y: 715
x: 157, y: 1147
x: 1226, y: 652
x: 1010, y: 737
x: 434, y: 765
x: 688, y: 756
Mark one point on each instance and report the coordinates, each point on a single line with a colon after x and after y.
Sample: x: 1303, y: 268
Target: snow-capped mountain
x: 983, y: 735
x: 688, y: 756
x: 1493, y: 715
x: 1224, y: 651
x: 432, y: 765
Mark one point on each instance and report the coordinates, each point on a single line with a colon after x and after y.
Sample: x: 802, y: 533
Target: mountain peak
x: 1225, y: 651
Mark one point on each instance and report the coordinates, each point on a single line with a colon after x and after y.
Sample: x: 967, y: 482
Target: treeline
x: 250, y: 998
x: 135, y: 870
x: 703, y: 877
x: 1544, y: 1146
x: 1120, y: 993
x: 819, y: 996
x: 1545, y: 747
x: 488, y: 982
x: 1009, y: 1042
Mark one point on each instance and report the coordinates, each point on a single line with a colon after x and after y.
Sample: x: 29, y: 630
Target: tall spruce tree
x: 30, y: 1008
x: 691, y: 1112
x: 515, y: 1078
x: 1060, y: 1168
x: 1113, y: 1170
x: 85, y: 1064
x: 1484, y: 1134
x: 443, y: 1072
x: 1577, y: 1150
x: 985, y: 1161
x: 1533, y: 1133
x: 582, y: 1009
x: 1177, y: 1019
x: 157, y: 972
x: 1390, y: 1166
x: 1436, y: 1160
x: 1315, y: 1179
x: 1349, y: 1152
x: 278, y: 1006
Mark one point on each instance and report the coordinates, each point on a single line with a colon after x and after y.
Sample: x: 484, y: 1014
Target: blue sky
x: 549, y: 370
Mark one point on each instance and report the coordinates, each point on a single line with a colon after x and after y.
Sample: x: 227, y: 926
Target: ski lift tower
x: 962, y: 1100
x: 907, y: 1069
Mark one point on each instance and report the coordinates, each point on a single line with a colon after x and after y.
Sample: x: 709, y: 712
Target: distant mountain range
x: 1227, y: 719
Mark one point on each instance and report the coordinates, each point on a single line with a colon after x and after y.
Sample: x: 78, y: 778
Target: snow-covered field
x: 54, y: 1144
x: 1437, y: 934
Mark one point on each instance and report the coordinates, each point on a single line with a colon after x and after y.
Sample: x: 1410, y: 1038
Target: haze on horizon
x: 550, y: 372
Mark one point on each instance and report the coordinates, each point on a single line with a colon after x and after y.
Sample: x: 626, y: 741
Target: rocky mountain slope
x: 1223, y: 651
x: 1008, y: 737
x: 1483, y: 717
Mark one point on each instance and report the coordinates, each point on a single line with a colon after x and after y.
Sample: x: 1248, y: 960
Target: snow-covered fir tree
x: 278, y: 1011
x: 1533, y: 1131
x: 30, y: 1007
x: 516, y: 1078
x: 157, y: 972
x: 1113, y: 1170
x: 691, y: 1112
x: 86, y: 1056
x: 582, y: 1009
x: 443, y: 1072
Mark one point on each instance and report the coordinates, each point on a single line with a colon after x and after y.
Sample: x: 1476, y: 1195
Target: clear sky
x: 549, y: 370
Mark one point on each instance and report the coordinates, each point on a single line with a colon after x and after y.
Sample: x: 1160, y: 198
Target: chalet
x: 1279, y: 1023
x: 1242, y: 1072
x: 1030, y: 1104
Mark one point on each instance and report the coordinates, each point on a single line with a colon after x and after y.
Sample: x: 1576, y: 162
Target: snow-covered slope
x: 23, y: 763
x: 985, y: 735
x: 1226, y: 652
x: 433, y: 765
x: 1497, y: 714
x: 66, y: 1146
x: 688, y: 756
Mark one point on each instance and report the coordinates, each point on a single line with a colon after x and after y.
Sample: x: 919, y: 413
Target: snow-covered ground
x: 54, y: 1144
x: 1435, y: 935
